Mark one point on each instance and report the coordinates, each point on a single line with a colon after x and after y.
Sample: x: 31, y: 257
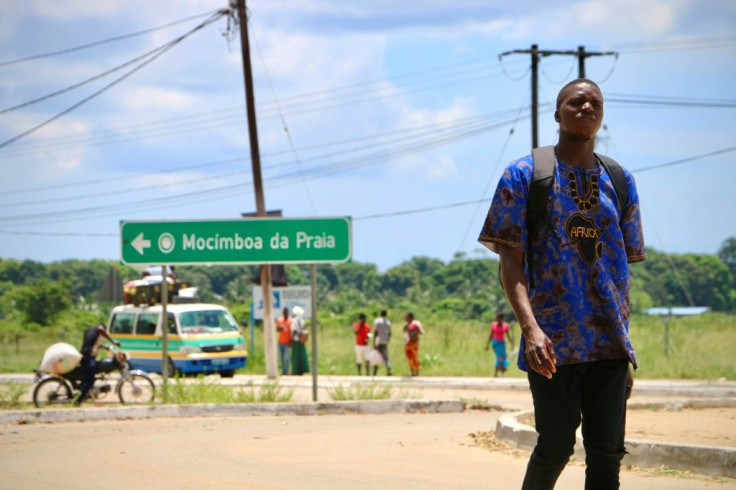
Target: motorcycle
x: 133, y: 386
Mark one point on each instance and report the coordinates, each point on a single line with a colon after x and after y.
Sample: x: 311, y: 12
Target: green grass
x: 209, y: 390
x: 371, y: 391
x: 10, y: 395
x: 699, y: 348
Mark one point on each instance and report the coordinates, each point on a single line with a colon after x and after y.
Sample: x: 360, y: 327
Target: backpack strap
x: 543, y: 179
x: 618, y: 179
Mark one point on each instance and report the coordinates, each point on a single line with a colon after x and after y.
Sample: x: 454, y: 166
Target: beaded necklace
x: 584, y: 201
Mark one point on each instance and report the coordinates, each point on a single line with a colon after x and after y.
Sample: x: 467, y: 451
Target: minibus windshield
x: 207, y: 321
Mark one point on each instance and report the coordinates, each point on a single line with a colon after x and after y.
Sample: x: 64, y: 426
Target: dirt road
x: 390, y: 451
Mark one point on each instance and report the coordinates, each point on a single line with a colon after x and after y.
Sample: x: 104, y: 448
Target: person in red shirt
x: 361, y: 330
x: 283, y: 327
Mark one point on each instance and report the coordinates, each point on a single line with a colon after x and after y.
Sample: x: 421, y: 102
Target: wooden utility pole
x: 536, y: 54
x: 535, y: 95
x: 269, y: 330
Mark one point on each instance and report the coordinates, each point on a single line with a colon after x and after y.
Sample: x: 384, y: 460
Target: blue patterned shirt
x: 580, y: 256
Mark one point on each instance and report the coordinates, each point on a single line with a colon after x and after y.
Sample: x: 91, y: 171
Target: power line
x: 418, y: 210
x: 305, y: 102
x: 117, y: 178
x: 678, y: 44
x: 386, y: 138
x: 684, y: 160
x: 673, y: 103
x: 103, y: 41
x: 283, y: 120
x: 83, y: 82
x: 225, y: 191
x: 114, y: 82
x: 378, y: 215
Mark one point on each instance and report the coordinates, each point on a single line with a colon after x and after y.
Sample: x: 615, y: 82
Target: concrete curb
x: 710, y: 460
x: 668, y: 388
x: 230, y: 410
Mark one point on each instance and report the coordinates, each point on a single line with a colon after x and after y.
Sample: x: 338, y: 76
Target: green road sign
x: 237, y: 241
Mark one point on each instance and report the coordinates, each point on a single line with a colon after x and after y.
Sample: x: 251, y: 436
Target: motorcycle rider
x: 90, y: 346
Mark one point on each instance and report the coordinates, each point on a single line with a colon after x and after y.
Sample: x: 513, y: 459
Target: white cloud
x: 623, y: 19
x: 74, y: 9
x: 442, y: 167
x: 461, y: 107
x: 435, y: 165
x: 153, y: 98
x: 68, y: 160
x: 313, y: 62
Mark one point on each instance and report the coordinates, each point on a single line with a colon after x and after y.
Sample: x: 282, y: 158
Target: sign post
x: 237, y: 241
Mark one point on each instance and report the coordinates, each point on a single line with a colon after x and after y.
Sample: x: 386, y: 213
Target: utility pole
x: 536, y: 54
x: 535, y: 97
x: 269, y: 331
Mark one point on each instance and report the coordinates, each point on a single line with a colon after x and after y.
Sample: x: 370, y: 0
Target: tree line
x: 464, y: 288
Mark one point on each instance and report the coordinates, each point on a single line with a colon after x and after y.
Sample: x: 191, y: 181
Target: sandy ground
x: 390, y: 451
x: 708, y: 426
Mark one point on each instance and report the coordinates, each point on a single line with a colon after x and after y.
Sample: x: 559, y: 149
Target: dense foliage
x: 34, y: 294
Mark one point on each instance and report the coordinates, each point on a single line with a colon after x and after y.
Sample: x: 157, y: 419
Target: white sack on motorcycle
x: 60, y: 359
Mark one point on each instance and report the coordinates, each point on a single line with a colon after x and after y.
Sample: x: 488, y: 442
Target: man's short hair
x: 577, y: 81
x: 361, y: 316
x: 384, y: 313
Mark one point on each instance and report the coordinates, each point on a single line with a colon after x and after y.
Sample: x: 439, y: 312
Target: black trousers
x: 594, y: 392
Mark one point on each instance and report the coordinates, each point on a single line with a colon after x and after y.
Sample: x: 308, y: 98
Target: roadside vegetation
x: 209, y: 390
x: 41, y: 304
x: 699, y: 347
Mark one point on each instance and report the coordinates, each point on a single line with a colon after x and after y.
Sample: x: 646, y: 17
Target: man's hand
x: 540, y: 353
x: 629, y: 382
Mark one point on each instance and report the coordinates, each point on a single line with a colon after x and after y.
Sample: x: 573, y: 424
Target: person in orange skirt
x: 412, y: 331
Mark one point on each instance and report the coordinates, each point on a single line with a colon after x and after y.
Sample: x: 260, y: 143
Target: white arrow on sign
x: 140, y: 244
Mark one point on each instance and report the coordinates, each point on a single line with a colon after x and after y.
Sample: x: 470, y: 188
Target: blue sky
x: 367, y: 109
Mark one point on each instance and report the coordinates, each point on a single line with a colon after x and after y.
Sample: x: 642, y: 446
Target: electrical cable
x: 492, y: 174
x: 684, y: 160
x: 678, y: 44
x: 104, y: 41
x: 111, y: 84
x: 220, y: 192
x: 281, y: 117
x: 386, y: 138
x: 82, y: 83
x: 503, y: 69
x: 367, y: 217
x: 417, y: 210
x: 117, y: 178
x: 610, y: 72
x: 307, y: 107
x: 564, y: 79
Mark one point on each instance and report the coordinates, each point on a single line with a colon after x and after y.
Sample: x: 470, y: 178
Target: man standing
x: 572, y: 298
x: 283, y: 327
x: 361, y: 330
x: 381, y: 336
x: 90, y: 347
